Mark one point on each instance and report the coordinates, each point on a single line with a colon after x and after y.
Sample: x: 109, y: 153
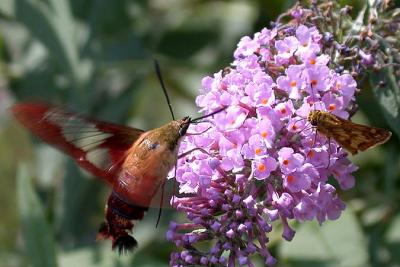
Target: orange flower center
x: 264, y: 101
x: 293, y: 83
x: 261, y: 167
x: 332, y: 107
x: 290, y: 178
x: 258, y: 151
x: 285, y: 162
x: 283, y: 110
x: 294, y: 127
x: 314, y: 82
x: 312, y: 61
x: 264, y: 134
x: 310, y: 154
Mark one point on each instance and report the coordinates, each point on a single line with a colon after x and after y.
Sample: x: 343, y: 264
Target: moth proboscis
x: 351, y: 136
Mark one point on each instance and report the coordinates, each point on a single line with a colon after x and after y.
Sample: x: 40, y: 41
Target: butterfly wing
x: 356, y: 137
x: 98, y: 147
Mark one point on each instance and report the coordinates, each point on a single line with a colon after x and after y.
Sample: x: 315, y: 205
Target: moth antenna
x: 160, y: 79
x: 306, y: 128
x: 313, y: 95
x: 301, y: 118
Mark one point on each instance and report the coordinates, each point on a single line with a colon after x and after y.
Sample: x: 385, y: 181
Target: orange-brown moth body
x: 133, y: 162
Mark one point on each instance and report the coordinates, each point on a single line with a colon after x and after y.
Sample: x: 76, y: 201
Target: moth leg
x: 305, y: 125
x: 184, y: 154
x: 329, y: 152
x: 315, y: 138
x: 161, y: 201
x: 174, y: 187
x: 200, y: 133
x: 307, y: 128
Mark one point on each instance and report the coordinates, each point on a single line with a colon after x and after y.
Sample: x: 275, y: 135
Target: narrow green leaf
x: 358, y: 23
x: 7, y: 8
x: 103, y: 256
x: 37, y: 233
x: 185, y: 43
x: 388, y: 97
x: 80, y: 206
x: 53, y: 26
x: 393, y: 239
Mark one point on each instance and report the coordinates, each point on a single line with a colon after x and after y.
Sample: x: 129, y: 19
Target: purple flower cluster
x: 261, y: 160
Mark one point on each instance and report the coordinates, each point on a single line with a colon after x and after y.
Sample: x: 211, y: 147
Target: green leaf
x: 7, y: 7
x: 128, y: 47
x: 335, y: 243
x: 184, y: 43
x: 393, y: 239
x: 110, y: 23
x: 80, y: 207
x: 357, y: 24
x: 101, y: 256
x: 388, y: 97
x: 37, y: 233
x: 53, y: 26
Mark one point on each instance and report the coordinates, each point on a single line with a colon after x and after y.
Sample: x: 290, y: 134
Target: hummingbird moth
x: 135, y: 163
x: 351, y: 136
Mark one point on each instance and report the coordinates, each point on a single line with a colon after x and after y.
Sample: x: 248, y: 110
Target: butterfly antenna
x: 159, y: 76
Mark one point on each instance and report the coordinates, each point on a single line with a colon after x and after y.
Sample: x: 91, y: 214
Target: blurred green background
x: 95, y: 57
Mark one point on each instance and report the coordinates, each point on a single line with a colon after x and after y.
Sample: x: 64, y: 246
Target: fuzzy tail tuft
x: 124, y: 244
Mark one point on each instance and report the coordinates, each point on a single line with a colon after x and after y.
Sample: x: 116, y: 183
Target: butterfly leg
x: 315, y: 138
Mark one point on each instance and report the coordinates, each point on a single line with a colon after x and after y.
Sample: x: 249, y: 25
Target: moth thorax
x: 172, y: 132
x: 313, y: 117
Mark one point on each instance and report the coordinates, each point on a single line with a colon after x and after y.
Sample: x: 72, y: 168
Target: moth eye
x: 153, y: 146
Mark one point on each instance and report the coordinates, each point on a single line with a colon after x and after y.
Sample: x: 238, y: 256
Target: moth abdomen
x: 119, y: 221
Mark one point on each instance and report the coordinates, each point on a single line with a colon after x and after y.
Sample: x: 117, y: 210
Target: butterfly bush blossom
x: 261, y: 161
